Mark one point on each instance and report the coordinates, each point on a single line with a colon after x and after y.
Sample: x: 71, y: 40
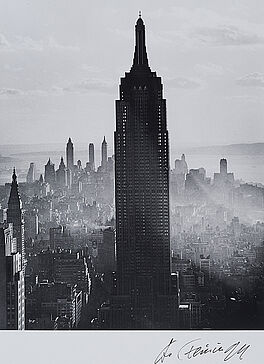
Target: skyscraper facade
x: 142, y: 198
x: 12, y: 289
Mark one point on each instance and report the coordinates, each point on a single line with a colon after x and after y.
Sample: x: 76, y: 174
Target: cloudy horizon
x: 61, y: 63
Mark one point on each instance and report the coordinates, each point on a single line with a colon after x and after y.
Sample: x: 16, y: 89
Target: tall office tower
x: 91, y: 156
x: 142, y: 199
x: 223, y: 177
x: 15, y: 216
x: 49, y: 175
x: 69, y: 154
x: 61, y: 174
x: 12, y: 289
x: 223, y: 166
x: 31, y: 173
x: 104, y: 153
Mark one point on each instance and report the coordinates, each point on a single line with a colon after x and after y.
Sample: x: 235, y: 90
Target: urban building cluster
x: 131, y: 244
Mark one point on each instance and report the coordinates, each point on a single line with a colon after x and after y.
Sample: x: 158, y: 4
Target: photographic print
x: 131, y: 174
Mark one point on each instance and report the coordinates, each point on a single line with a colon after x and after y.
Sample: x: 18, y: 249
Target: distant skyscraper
x: 104, y: 153
x: 223, y: 178
x: 61, y: 174
x: 223, y: 166
x: 31, y: 173
x: 79, y: 164
x: 69, y: 154
x: 142, y: 199
x: 12, y: 290
x: 49, y: 173
x: 181, y: 165
x: 91, y: 156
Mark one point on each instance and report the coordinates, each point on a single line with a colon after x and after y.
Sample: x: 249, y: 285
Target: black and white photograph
x: 132, y: 174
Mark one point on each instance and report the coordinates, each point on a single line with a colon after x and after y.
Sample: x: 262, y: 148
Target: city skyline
x: 52, y: 74
x: 136, y: 243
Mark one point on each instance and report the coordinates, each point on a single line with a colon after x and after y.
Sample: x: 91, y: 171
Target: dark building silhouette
x: 50, y: 173
x: 12, y: 290
x: 104, y: 153
x: 61, y: 174
x: 143, y: 282
x: 15, y: 215
x: 223, y: 166
x: 69, y: 155
x: 91, y: 156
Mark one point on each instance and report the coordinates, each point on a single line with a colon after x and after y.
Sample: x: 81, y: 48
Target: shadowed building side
x: 143, y: 287
x: 12, y: 289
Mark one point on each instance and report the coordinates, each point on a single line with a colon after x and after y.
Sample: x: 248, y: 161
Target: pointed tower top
x: 14, y: 198
x: 140, y: 61
x: 69, y: 141
x: 139, y: 14
x: 14, y: 177
x: 104, y: 141
x: 62, y: 165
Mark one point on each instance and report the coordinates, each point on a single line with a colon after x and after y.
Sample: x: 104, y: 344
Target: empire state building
x: 143, y: 284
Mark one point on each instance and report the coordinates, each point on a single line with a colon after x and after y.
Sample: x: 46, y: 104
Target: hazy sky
x: 61, y: 62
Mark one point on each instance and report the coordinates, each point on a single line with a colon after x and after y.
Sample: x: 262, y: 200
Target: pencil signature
x: 192, y: 349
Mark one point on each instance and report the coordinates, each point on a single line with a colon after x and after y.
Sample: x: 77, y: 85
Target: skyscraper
x: 223, y: 166
x: 12, y: 289
x: 50, y: 173
x: 61, y: 174
x: 142, y: 199
x: 91, y: 156
x: 31, y: 173
x: 69, y: 155
x: 16, y: 217
x: 104, y: 153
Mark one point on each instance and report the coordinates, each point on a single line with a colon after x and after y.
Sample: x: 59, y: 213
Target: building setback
x: 143, y: 282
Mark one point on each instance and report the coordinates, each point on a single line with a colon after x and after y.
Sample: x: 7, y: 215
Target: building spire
x: 14, y: 177
x: 14, y: 198
x: 140, y: 61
